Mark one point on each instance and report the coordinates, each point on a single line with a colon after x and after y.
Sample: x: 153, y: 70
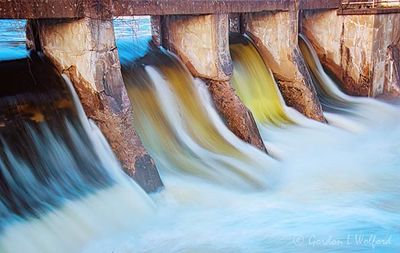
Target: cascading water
x: 60, y: 185
x: 255, y: 84
x: 62, y: 190
x: 331, y: 98
x: 257, y: 88
x: 181, y: 129
x: 360, y: 111
x: 332, y: 194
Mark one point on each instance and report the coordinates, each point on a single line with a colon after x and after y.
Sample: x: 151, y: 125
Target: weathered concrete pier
x: 275, y: 34
x: 358, y: 45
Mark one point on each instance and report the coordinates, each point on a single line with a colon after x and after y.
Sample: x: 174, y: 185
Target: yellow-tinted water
x: 255, y: 85
x: 181, y: 129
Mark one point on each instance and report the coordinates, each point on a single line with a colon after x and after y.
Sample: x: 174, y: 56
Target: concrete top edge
x: 33, y: 9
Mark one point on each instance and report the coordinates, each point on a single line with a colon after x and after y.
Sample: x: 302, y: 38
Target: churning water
x: 177, y: 123
x: 60, y: 184
x: 328, y: 189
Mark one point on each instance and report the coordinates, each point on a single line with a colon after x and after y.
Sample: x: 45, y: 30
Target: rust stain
x: 236, y: 116
x: 28, y: 9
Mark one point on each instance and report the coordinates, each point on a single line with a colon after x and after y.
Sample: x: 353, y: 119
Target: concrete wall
x: 85, y: 50
x: 275, y: 35
x: 235, y: 23
x: 391, y: 3
x: 356, y: 49
x: 202, y: 43
x: 385, y: 48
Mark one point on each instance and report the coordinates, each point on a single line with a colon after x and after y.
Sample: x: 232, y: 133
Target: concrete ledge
x: 29, y: 9
x: 33, y: 9
x: 319, y: 4
x: 368, y: 11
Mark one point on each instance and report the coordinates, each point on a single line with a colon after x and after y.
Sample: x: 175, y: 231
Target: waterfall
x: 62, y: 189
x: 360, y: 111
x: 255, y: 84
x: 337, y: 190
x: 60, y: 184
x: 178, y: 124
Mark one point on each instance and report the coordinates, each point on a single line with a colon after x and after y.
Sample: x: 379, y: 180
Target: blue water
x: 338, y: 191
x: 12, y: 34
x: 12, y: 39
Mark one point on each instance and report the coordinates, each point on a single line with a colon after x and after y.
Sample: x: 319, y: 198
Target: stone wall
x: 85, y: 50
x: 356, y: 49
x: 202, y: 43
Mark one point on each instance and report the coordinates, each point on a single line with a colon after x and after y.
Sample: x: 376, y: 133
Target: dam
x: 199, y: 126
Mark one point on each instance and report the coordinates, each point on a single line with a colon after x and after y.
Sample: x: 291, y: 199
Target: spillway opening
x: 59, y: 179
x: 322, y: 188
x: 132, y: 27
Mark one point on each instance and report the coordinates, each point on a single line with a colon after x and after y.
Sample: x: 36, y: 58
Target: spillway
x: 255, y: 84
x: 329, y: 188
x: 360, y: 111
x: 60, y: 183
x: 179, y: 125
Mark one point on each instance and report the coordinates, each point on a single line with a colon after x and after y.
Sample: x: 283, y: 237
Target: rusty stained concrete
x: 275, y: 36
x: 29, y: 9
x: 202, y: 43
x: 85, y: 51
x: 361, y: 51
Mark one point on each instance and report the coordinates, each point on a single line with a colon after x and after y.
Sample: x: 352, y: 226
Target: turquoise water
x: 336, y: 189
x: 12, y: 39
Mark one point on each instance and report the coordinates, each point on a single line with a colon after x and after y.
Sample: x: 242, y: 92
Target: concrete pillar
x: 155, y: 22
x: 391, y: 87
x: 85, y: 50
x: 360, y: 50
x: 275, y: 35
x: 202, y: 43
x: 235, y: 23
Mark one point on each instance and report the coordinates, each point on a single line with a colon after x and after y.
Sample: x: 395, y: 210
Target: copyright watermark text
x: 351, y: 240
